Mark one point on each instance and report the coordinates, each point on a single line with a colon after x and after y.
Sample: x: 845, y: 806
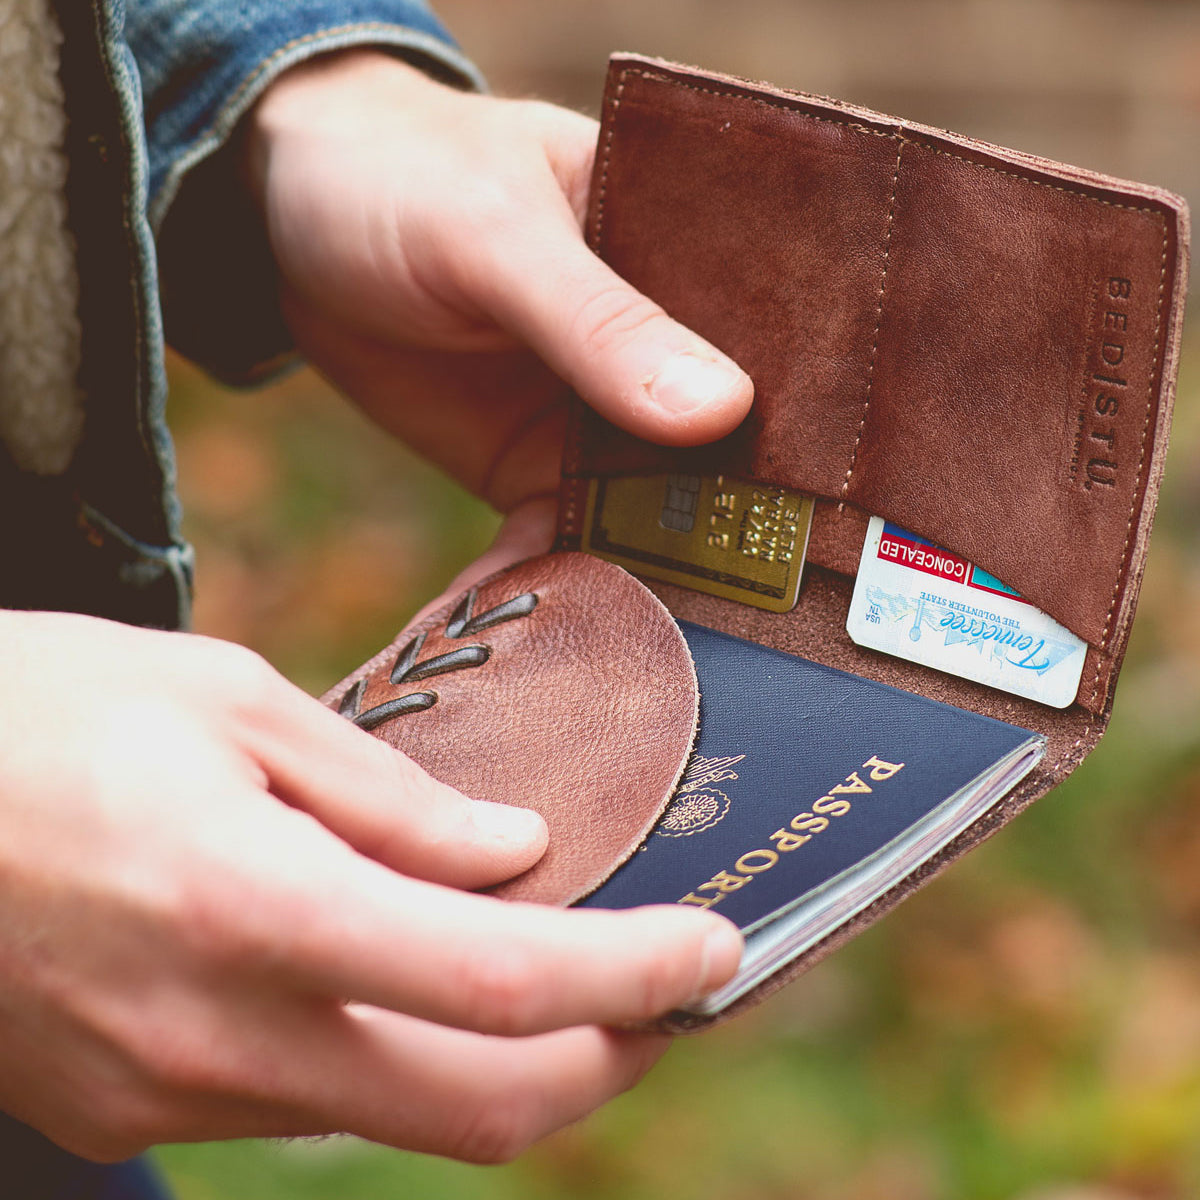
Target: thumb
x: 527, y: 532
x: 380, y: 801
x: 618, y: 349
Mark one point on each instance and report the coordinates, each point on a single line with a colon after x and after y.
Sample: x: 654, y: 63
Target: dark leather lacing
x: 409, y: 669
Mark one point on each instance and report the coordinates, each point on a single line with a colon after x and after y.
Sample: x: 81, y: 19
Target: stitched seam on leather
x: 1155, y: 373
x: 573, y: 453
x: 902, y: 133
x: 887, y: 254
x: 608, y: 143
x: 1069, y: 756
x: 572, y: 457
x: 570, y: 527
x: 1043, y: 183
x: 573, y: 448
x: 1099, y: 661
x: 1095, y: 680
x: 759, y: 100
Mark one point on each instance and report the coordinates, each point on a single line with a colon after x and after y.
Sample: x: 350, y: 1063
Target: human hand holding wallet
x: 964, y: 357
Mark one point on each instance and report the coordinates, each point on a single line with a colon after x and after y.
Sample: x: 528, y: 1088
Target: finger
x: 268, y: 1067
x: 527, y: 531
x: 619, y: 350
x: 380, y: 801
x: 332, y: 923
x: 477, y: 1098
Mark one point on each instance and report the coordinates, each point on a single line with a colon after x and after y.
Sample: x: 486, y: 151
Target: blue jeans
x: 33, y: 1168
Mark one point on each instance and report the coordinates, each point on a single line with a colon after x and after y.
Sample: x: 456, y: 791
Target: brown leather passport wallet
x: 973, y: 343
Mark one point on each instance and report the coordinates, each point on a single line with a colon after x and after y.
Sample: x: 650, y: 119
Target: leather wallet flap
x: 561, y: 684
x: 974, y: 343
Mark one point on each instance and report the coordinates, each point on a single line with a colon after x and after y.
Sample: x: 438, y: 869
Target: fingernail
x: 719, y: 957
x: 505, y: 823
x: 688, y: 382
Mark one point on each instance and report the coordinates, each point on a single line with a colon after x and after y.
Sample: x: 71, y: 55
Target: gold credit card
x: 724, y: 536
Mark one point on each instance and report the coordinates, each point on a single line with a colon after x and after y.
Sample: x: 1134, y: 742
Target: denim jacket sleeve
x: 202, y: 66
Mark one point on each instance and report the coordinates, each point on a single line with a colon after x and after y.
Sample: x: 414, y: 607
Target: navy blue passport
x: 810, y: 793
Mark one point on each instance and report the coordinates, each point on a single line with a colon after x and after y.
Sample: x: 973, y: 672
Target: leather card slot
x: 1016, y: 382
x: 972, y: 343
x: 816, y: 630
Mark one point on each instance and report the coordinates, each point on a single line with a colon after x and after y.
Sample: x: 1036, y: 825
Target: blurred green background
x: 1029, y: 1025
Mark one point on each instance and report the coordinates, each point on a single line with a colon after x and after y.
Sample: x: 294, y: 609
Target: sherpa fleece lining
x: 41, y: 405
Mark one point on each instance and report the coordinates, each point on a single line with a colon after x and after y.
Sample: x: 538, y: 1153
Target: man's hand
x: 433, y: 266
x: 226, y: 912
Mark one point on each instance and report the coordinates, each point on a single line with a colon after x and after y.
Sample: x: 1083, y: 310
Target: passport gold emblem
x: 716, y: 534
x: 697, y: 806
x: 693, y: 813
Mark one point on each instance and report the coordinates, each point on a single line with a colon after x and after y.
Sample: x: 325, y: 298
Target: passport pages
x: 809, y: 794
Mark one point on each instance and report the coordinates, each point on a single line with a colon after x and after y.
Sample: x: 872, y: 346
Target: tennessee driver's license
x: 728, y: 537
x: 916, y: 601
